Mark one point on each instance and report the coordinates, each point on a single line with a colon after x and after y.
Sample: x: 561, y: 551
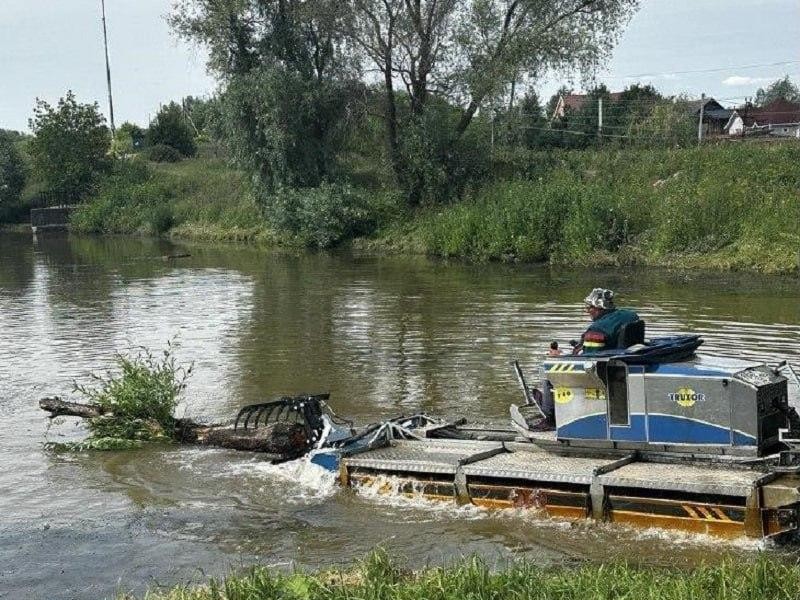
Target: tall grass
x: 380, y: 578
x: 733, y: 206
x: 201, y: 198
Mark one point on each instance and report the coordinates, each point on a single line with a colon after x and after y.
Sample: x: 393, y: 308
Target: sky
x: 723, y: 48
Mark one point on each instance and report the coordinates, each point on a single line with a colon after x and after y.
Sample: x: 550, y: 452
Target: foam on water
x: 310, y: 482
x: 386, y: 490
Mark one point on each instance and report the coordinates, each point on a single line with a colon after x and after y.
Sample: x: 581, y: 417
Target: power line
x: 713, y: 70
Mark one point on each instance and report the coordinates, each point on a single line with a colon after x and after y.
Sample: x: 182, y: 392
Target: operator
x: 607, y: 321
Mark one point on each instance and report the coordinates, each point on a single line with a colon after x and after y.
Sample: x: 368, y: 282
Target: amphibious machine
x: 652, y: 436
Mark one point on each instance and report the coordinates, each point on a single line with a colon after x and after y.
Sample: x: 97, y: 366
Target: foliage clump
x: 324, y: 216
x: 70, y: 148
x: 137, y: 400
x: 132, y: 199
x: 162, y: 153
x: 170, y: 127
x: 12, y: 175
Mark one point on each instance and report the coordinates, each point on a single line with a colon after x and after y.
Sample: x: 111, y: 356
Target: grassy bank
x: 727, y: 207
x: 378, y: 578
x: 733, y: 206
x: 199, y: 198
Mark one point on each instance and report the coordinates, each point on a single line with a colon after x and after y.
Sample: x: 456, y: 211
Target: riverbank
x: 724, y: 207
x: 379, y: 577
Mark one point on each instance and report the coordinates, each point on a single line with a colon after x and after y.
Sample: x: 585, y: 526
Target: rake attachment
x: 304, y: 409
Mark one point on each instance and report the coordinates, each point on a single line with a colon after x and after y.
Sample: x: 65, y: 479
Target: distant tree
x: 780, y: 88
x: 12, y: 174
x: 668, y: 124
x: 171, y: 128
x: 200, y: 112
x: 12, y: 135
x: 534, y: 123
x: 70, y: 147
x: 129, y: 138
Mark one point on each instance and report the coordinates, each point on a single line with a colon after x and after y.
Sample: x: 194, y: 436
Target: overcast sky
x: 725, y: 48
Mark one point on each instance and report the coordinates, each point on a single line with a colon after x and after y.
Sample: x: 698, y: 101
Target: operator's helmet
x: 600, y: 298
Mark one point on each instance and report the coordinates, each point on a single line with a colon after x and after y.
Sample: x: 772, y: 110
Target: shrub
x: 70, y: 148
x: 12, y: 178
x: 132, y: 199
x: 162, y: 153
x: 322, y: 217
x: 138, y: 400
x: 171, y: 128
x: 128, y: 139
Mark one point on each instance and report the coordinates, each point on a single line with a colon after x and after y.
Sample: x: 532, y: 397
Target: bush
x: 162, y: 153
x: 171, y: 128
x: 70, y: 148
x: 324, y: 216
x: 12, y: 178
x: 139, y: 400
x: 133, y: 199
x: 128, y: 139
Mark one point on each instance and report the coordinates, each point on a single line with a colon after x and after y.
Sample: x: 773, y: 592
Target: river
x: 384, y: 335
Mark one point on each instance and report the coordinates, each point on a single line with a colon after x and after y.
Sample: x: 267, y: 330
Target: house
x: 575, y: 102
x: 779, y: 118
x: 715, y: 116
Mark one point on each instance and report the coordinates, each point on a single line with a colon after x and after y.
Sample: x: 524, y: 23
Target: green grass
x: 195, y: 198
x: 380, y: 578
x: 729, y: 206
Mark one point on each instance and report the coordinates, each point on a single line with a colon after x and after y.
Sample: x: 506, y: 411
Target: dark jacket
x: 603, y: 333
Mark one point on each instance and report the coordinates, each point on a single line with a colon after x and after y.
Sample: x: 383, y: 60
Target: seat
x: 631, y: 334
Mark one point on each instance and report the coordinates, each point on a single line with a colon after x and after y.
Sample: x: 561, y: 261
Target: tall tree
x: 780, y: 88
x: 287, y: 81
x: 470, y: 51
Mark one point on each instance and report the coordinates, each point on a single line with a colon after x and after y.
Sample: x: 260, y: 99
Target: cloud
x: 740, y: 80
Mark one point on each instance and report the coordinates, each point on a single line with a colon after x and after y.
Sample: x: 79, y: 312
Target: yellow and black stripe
x: 563, y: 368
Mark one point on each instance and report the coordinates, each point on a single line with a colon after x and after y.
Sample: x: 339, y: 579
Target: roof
x: 777, y: 112
x: 718, y: 114
x: 577, y: 101
x: 709, y: 105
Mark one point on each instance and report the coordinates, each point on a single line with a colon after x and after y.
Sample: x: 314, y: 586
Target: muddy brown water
x: 384, y: 335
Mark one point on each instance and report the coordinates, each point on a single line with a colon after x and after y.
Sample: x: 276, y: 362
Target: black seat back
x: 631, y: 334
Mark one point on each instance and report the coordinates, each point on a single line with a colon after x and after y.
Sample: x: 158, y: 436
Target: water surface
x: 384, y: 335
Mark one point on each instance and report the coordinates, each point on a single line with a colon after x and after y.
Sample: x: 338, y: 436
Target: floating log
x: 280, y: 441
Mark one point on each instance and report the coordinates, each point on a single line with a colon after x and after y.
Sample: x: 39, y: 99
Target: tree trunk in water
x: 280, y: 441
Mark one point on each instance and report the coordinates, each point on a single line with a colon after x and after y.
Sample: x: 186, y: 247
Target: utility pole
x: 492, y: 141
x: 700, y: 123
x: 108, y: 69
x: 599, y: 117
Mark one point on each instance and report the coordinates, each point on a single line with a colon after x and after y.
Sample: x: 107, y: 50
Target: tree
x: 780, y: 88
x: 470, y: 52
x: 171, y: 128
x: 289, y: 82
x: 12, y: 174
x: 128, y: 139
x: 70, y: 147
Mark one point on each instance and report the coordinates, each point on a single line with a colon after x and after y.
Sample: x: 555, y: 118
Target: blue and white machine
x: 645, y: 399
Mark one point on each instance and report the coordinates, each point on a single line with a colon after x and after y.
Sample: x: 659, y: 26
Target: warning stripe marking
x: 705, y: 513
x: 562, y: 368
